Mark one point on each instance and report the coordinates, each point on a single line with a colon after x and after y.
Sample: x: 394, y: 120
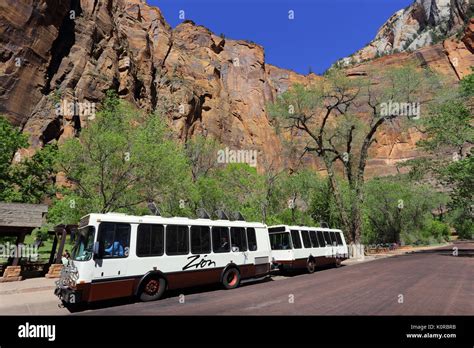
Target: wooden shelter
x: 18, y: 220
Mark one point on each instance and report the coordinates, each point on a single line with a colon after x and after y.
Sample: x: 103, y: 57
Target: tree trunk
x: 338, y: 198
x: 357, y: 218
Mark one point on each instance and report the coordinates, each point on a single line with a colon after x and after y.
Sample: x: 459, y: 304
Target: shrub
x: 464, y: 228
x: 437, y: 230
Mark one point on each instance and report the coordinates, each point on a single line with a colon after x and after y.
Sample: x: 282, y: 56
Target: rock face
x: 394, y: 144
x: 421, y: 24
x: 72, y: 51
x: 75, y: 52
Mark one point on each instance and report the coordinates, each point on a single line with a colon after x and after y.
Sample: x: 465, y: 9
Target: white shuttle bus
x: 118, y: 255
x: 296, y: 247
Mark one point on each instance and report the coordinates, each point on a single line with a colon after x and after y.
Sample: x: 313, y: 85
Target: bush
x: 437, y: 231
x: 398, y: 211
x: 406, y: 239
x: 432, y: 232
x: 464, y: 228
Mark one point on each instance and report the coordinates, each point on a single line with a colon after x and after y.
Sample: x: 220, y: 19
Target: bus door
x: 240, y: 250
x: 298, y: 252
x: 114, y: 247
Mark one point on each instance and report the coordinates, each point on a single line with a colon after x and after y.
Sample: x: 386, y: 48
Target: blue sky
x: 321, y: 32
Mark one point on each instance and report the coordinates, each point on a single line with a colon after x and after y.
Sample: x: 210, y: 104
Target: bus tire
x: 311, y: 265
x: 338, y: 263
x: 231, y: 278
x: 152, y: 289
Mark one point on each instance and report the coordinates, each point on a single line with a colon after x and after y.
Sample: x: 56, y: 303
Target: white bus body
x: 306, y: 247
x: 118, y: 255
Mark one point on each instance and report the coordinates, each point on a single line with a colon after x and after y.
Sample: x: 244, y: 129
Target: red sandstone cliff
x: 76, y: 50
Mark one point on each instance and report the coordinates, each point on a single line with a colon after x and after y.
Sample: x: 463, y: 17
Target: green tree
x: 467, y: 85
x: 24, y: 179
x: 243, y: 190
x: 448, y: 127
x: 122, y: 160
x: 34, y: 177
x: 449, y: 135
x: 327, y: 114
x: 296, y: 193
x: 11, y: 140
x: 202, y: 154
x: 396, y: 210
x: 459, y: 175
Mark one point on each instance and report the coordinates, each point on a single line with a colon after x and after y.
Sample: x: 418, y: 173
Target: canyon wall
x: 76, y: 50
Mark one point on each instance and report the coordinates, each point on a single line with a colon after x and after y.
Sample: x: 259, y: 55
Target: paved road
x: 425, y: 283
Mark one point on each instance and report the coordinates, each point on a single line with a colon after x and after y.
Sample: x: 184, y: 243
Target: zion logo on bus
x: 198, y: 264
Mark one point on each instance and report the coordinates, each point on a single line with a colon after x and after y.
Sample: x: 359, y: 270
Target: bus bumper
x: 68, y: 296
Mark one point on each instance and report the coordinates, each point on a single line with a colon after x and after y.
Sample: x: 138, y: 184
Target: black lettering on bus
x: 196, y: 264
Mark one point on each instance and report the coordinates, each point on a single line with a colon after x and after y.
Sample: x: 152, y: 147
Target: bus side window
x: 116, y: 239
x: 220, y: 239
x: 177, y: 240
x: 200, y: 240
x: 252, y: 239
x: 327, y: 238
x: 306, y: 240
x: 339, y: 239
x: 314, y: 239
x: 237, y: 238
x: 333, y: 238
x: 321, y: 240
x: 295, y: 237
x: 150, y: 238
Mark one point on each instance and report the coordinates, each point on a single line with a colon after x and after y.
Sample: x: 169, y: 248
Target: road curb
x: 374, y: 257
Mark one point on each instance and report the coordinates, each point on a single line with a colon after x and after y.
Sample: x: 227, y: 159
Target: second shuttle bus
x: 297, y: 247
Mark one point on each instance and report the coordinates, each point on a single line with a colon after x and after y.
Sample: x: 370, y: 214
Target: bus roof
x: 120, y: 217
x: 289, y: 227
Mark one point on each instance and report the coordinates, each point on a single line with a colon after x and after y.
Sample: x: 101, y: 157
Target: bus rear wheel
x: 311, y: 265
x: 338, y: 263
x: 231, y: 278
x: 152, y: 289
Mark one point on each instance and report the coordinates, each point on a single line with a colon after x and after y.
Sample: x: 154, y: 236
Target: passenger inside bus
x: 115, y: 249
x: 224, y: 243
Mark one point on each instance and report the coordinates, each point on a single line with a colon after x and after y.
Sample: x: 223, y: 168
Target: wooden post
x: 19, y: 240
x: 61, y: 245
x: 53, y: 249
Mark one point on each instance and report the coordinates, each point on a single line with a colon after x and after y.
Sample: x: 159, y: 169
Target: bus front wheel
x: 152, y: 289
x: 231, y: 278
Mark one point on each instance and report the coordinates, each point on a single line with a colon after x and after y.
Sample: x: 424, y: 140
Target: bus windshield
x: 84, y: 245
x: 280, y: 241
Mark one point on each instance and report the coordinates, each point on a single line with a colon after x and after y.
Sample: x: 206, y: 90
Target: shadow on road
x: 298, y: 272
x: 450, y: 252
x: 168, y: 294
x: 186, y: 291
